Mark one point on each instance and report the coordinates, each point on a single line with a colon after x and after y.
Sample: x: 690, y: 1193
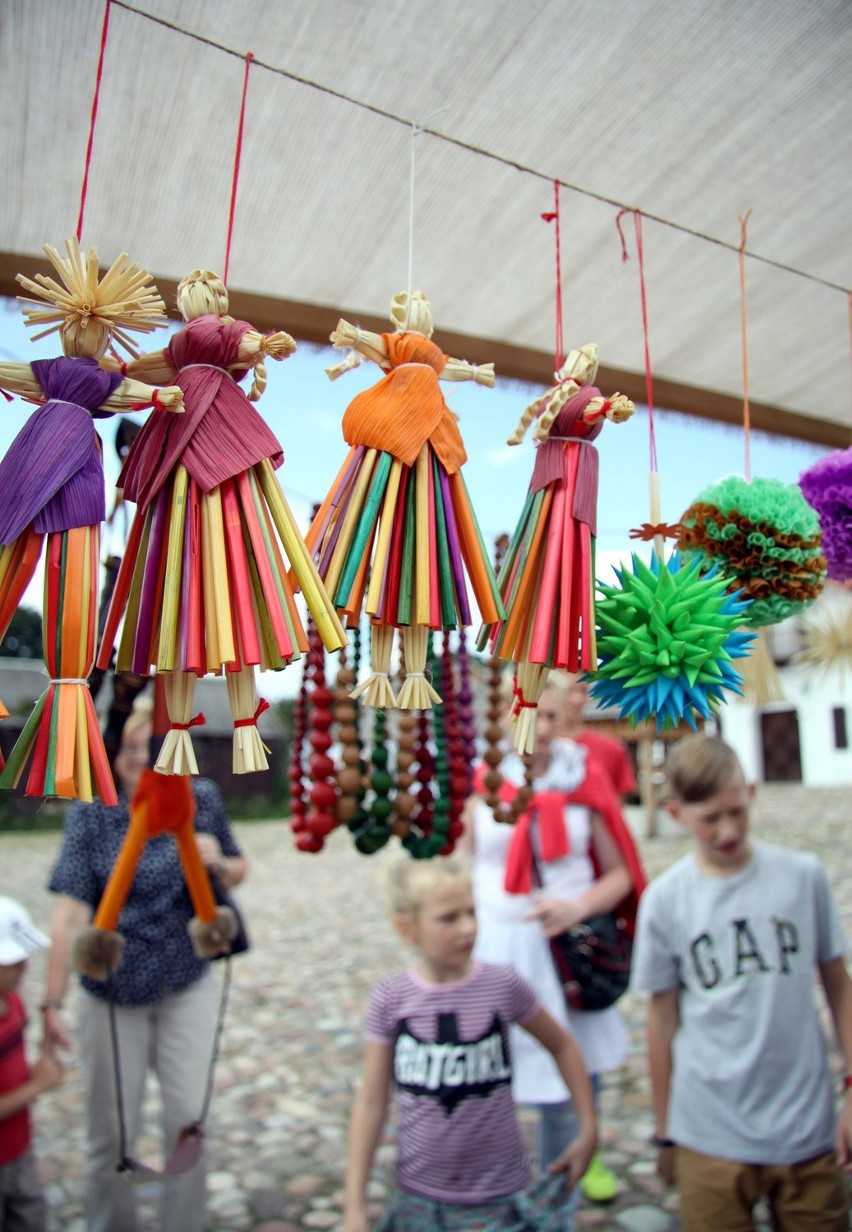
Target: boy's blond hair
x: 699, y: 766
x: 409, y: 882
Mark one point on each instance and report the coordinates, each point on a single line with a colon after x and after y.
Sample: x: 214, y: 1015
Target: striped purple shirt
x: 457, y: 1135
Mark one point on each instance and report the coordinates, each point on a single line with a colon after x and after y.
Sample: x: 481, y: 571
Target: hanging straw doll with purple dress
x: 52, y: 484
x: 397, y: 530
x: 547, y: 579
x: 204, y: 584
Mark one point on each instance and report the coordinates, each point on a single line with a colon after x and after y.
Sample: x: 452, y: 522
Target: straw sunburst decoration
x: 125, y: 298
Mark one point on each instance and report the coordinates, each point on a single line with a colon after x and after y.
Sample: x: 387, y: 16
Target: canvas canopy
x: 692, y: 111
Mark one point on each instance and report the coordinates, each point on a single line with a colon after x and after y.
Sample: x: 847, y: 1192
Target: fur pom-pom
x: 215, y: 936
x: 98, y: 953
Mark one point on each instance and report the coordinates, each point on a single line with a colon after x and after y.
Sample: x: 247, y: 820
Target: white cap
x: 19, y: 937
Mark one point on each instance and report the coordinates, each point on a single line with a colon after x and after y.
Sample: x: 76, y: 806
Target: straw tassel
x: 249, y: 750
x: 177, y: 755
x: 376, y: 689
x: 416, y: 692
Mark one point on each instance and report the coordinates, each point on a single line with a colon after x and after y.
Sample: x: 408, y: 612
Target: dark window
x: 841, y: 737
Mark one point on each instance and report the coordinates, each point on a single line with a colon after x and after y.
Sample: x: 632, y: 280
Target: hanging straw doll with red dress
x: 547, y: 579
x: 397, y: 530
x: 204, y: 584
x: 52, y: 485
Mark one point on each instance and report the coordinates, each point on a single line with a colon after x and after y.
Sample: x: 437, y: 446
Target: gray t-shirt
x: 750, y: 1078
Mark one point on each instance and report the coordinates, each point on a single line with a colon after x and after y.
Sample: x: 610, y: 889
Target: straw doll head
x: 411, y: 312
x: 200, y: 293
x: 581, y: 365
x: 90, y: 314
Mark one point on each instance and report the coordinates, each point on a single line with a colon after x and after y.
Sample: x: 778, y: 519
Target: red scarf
x: 547, y: 810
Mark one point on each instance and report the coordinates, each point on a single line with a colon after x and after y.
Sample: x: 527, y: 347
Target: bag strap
x: 181, y: 1158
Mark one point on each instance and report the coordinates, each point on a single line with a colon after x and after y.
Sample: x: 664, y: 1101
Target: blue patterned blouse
x: 158, y: 955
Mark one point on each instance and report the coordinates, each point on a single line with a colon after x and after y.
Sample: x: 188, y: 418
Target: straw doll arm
x: 616, y: 409
x: 133, y: 395
x: 368, y: 345
x: 152, y: 367
x: 461, y: 370
x: 254, y: 346
x: 19, y: 379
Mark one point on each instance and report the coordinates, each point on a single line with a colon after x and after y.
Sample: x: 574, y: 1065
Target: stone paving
x: 291, y: 1048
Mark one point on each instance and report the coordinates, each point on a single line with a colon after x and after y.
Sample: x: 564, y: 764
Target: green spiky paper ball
x: 667, y: 639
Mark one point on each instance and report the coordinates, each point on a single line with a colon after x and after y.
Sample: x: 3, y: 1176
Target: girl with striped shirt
x: 439, y: 1033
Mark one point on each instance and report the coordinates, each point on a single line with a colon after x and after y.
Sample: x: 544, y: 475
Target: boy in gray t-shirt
x: 727, y: 941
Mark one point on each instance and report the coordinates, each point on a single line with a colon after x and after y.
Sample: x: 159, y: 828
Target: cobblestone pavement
x: 292, y: 1041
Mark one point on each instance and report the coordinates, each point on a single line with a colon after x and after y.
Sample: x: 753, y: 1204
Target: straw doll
x: 547, y: 579
x: 52, y: 484
x: 391, y: 535
x: 203, y: 584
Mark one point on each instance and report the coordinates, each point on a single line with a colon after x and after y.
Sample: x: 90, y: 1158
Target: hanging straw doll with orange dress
x: 397, y: 531
x: 204, y: 585
x: 547, y: 579
x: 52, y: 484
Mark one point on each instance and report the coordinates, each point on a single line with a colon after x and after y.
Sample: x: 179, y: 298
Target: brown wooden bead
x: 346, y: 808
x: 349, y: 779
x: 351, y: 755
x: 347, y: 733
x: 404, y: 803
x: 492, y: 756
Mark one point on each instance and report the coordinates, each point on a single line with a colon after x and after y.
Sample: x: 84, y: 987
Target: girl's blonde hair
x: 409, y: 882
x: 140, y: 716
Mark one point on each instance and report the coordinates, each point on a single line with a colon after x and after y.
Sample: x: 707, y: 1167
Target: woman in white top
x: 598, y: 871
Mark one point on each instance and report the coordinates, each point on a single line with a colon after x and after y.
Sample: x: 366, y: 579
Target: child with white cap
x: 22, y: 1204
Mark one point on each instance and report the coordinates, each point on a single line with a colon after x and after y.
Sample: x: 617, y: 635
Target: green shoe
x: 599, y: 1183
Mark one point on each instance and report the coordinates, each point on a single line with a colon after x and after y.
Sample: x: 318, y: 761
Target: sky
x: 304, y: 409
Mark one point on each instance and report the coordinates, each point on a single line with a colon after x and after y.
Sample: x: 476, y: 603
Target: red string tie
x: 600, y: 412
x: 521, y: 702
x: 122, y: 367
x: 6, y: 395
x: 262, y: 706
x: 624, y: 254
x: 153, y: 401
x: 197, y: 721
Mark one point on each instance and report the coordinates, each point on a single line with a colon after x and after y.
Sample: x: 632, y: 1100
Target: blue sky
x: 304, y: 409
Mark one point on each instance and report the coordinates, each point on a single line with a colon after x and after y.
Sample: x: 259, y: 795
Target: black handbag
x: 240, y: 941
x: 592, y: 959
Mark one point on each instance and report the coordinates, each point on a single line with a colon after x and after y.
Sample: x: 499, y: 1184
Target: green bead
x: 381, y: 782
x: 382, y: 808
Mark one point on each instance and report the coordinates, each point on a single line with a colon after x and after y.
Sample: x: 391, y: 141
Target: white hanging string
x: 416, y: 130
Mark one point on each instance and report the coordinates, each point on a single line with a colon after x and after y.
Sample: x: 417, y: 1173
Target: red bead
x: 297, y: 824
x: 322, y: 795
x: 309, y: 842
x: 321, y: 697
x: 322, y: 823
x: 321, y: 767
x: 320, y: 741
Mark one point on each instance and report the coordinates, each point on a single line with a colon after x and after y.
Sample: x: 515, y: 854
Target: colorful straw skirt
x: 399, y: 541
x: 204, y: 584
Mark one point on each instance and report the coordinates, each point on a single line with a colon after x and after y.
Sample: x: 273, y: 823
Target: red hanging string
x: 236, y: 177
x: 92, y: 120
x: 559, y: 348
x: 744, y: 330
